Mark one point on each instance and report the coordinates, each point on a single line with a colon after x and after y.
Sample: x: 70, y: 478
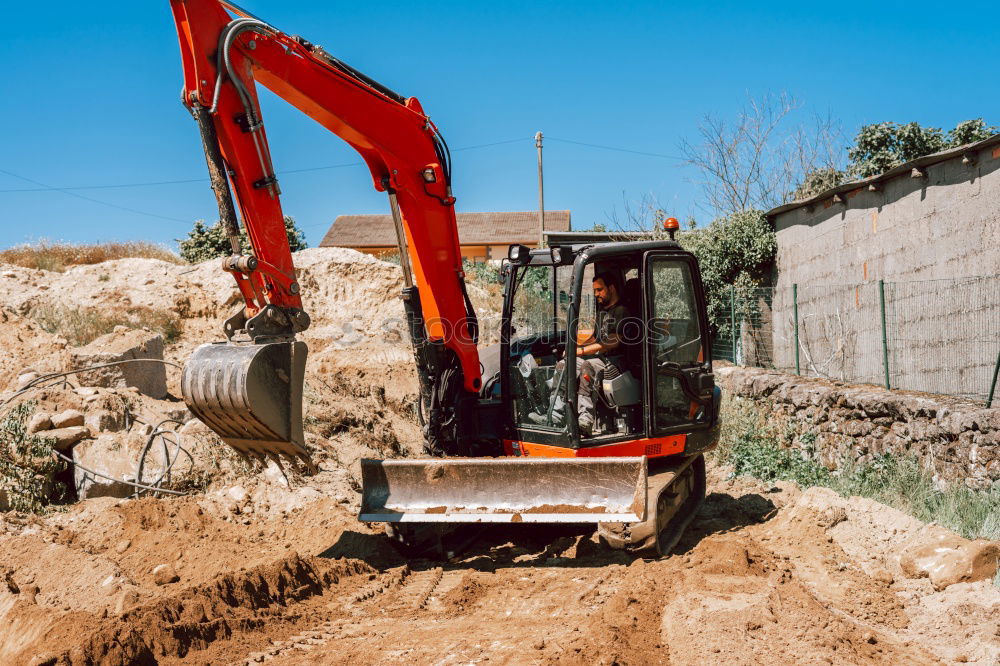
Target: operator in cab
x: 609, y: 344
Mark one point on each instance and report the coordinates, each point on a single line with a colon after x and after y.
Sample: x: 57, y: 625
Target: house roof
x: 501, y: 228
x: 895, y: 172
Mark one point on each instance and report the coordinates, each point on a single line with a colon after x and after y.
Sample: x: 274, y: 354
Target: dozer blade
x: 501, y: 490
x: 250, y: 395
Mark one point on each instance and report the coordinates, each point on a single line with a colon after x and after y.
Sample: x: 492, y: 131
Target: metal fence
x: 936, y: 336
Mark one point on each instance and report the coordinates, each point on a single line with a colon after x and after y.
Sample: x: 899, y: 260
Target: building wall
x: 919, y: 235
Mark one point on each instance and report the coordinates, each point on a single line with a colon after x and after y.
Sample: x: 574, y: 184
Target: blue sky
x: 91, y: 99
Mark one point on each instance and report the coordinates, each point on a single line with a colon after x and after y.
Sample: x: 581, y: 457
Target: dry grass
x: 60, y: 256
x: 82, y: 325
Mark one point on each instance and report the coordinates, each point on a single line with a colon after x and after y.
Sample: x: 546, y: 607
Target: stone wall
x: 959, y: 440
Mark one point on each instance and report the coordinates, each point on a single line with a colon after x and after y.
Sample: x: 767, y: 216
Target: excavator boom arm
x: 223, y: 56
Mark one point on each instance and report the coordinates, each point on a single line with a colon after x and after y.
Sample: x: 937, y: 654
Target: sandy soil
x: 268, y: 573
x: 271, y: 566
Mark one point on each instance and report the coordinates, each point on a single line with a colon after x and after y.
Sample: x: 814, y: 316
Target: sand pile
x: 260, y: 573
x: 27, y: 348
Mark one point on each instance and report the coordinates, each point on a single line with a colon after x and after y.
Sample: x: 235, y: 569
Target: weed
x: 48, y: 256
x: 82, y: 325
x: 27, y: 466
x: 753, y: 446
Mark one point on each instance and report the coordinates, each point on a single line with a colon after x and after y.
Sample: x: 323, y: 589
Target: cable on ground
x: 158, y: 432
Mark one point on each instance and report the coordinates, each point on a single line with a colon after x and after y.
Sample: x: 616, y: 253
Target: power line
x: 616, y: 149
x: 71, y: 190
x: 187, y: 181
x: 91, y: 199
x: 489, y: 145
x: 205, y: 180
x: 161, y: 182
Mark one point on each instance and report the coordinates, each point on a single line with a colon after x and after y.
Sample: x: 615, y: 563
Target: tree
x: 817, y: 181
x: 879, y: 147
x: 970, y: 131
x: 757, y: 161
x: 208, y: 242
x: 736, y: 250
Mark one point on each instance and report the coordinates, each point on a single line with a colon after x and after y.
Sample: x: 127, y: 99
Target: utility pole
x: 541, y: 192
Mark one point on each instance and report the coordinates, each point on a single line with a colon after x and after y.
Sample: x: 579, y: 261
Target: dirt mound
x: 282, y: 573
x: 27, y: 347
x: 350, y: 296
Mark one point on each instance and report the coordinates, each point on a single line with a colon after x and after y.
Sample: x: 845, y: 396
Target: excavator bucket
x: 250, y: 395
x: 501, y: 490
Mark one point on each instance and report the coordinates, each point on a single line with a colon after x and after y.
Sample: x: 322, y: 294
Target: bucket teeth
x: 250, y: 395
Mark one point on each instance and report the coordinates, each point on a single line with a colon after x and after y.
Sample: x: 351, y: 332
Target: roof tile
x: 500, y: 228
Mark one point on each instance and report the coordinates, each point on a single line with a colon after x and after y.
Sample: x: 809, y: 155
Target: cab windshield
x: 538, y: 309
x: 538, y: 337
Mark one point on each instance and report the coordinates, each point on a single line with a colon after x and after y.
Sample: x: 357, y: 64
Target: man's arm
x: 594, y: 347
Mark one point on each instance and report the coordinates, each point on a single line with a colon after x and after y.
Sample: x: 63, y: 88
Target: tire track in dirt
x: 762, y: 576
x: 513, y: 608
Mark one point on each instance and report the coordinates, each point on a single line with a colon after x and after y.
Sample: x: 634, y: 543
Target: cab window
x: 675, y: 338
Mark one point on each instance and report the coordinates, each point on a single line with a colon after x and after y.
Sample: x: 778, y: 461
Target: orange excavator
x: 502, y: 424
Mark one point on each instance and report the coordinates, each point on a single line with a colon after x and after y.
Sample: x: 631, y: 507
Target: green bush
x: 208, y: 242
x: 482, y: 273
x: 736, y: 250
x: 82, y: 325
x: 27, y: 466
x: 879, y: 147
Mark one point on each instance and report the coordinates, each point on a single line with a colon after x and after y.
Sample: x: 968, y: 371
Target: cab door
x: 678, y: 372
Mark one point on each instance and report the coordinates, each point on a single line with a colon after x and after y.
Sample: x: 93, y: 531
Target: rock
x: 122, y: 546
x: 39, y: 422
x: 67, y: 419
x: 86, y: 391
x: 882, y: 575
x: 164, y: 574
x: 116, y: 454
x: 67, y: 437
x: 119, y: 345
x: 30, y: 593
x: 178, y: 414
x: 125, y: 601
x: 111, y: 455
x: 24, y: 379
x: 947, y: 558
x: 104, y: 421
x: 832, y: 516
x: 238, y: 493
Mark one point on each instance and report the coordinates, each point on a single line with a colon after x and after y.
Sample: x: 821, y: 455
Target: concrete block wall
x: 933, y: 239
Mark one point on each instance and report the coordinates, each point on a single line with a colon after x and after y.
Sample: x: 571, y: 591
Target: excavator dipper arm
x: 225, y: 51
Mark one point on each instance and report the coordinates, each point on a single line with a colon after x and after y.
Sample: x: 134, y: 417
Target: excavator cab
x: 653, y: 396
x: 638, y: 472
